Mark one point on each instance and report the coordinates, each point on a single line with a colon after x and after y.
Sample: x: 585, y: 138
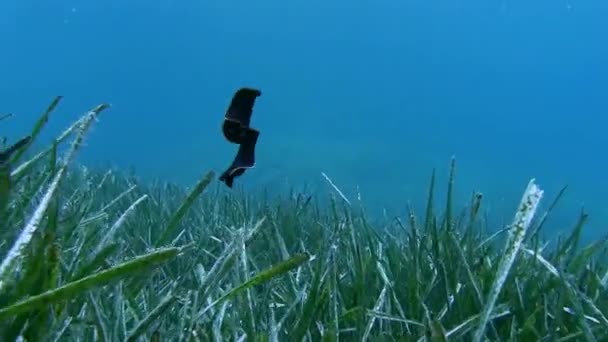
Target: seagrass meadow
x: 102, y: 256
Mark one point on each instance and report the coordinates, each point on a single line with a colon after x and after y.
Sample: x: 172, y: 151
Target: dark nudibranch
x: 236, y: 130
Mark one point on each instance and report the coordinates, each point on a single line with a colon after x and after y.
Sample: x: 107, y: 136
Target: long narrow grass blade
x: 22, y: 169
x: 183, y: 208
x: 262, y: 277
x: 70, y: 290
x: 450, y: 195
x: 517, y: 233
x: 44, y: 118
x: 31, y: 227
x: 151, y: 317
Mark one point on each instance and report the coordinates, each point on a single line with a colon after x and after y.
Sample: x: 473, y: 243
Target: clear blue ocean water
x: 373, y: 93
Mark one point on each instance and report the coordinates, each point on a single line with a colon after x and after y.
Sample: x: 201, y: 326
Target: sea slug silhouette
x: 236, y: 130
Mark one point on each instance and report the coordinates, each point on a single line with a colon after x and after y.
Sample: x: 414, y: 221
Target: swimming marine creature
x: 236, y: 130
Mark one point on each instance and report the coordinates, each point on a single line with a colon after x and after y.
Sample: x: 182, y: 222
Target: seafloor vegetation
x: 90, y: 255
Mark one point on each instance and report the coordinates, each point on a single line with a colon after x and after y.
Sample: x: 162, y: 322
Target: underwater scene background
x: 373, y: 93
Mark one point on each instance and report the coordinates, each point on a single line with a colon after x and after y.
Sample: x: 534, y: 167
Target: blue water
x: 373, y: 93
